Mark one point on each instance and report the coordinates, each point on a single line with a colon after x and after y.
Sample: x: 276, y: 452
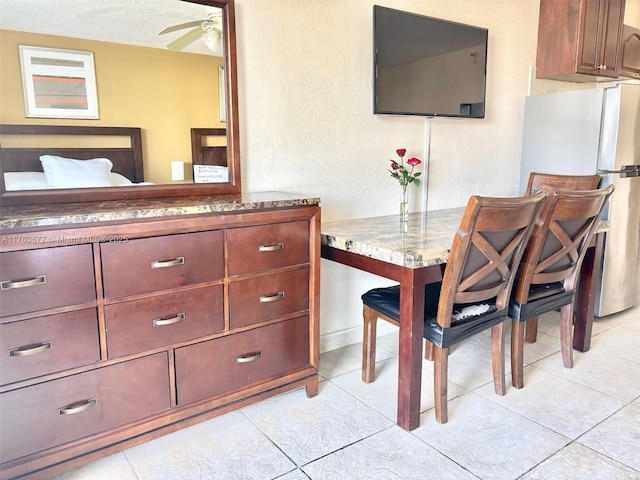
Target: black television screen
x: 426, y: 66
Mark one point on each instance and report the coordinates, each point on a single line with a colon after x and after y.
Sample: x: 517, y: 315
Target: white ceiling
x: 133, y: 22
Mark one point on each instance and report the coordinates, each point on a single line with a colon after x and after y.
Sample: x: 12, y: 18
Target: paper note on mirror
x: 210, y: 174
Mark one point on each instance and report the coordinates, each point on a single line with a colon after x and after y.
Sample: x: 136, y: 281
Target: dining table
x: 414, y: 252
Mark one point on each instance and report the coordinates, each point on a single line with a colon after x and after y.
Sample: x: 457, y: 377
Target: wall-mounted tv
x: 427, y: 67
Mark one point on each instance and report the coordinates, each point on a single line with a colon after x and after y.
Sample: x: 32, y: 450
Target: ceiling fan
x: 208, y: 29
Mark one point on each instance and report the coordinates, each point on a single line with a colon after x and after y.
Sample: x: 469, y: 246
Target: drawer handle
x: 159, y: 322
x: 78, y: 407
x: 32, y: 282
x: 30, y: 349
x: 249, y: 357
x: 272, y: 298
x: 167, y: 263
x: 271, y: 248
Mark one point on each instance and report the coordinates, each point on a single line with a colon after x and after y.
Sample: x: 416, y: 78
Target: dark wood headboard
x: 126, y: 161
x: 202, y: 154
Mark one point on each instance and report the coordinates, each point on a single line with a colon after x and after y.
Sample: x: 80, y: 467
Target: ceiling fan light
x: 213, y: 41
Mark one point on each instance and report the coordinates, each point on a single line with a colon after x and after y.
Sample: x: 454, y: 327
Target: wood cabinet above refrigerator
x: 630, y: 63
x: 579, y: 40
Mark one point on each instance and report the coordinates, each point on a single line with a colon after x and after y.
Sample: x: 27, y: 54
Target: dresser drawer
x: 53, y: 413
x: 225, y: 364
x: 158, y: 321
x: 255, y: 249
x: 149, y: 264
x: 262, y: 298
x: 35, y: 280
x: 43, y: 345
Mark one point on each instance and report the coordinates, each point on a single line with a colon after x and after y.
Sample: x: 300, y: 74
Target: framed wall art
x: 58, y: 83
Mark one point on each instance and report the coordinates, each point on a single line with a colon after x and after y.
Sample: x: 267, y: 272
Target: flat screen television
x: 428, y: 67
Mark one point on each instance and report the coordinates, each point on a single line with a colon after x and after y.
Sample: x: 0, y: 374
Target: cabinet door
x: 630, y: 65
x: 601, y: 31
x: 262, y: 298
x: 158, y: 263
x: 220, y: 366
x: 43, y: 345
x: 265, y: 247
x: 35, y: 280
x: 163, y: 320
x: 53, y: 413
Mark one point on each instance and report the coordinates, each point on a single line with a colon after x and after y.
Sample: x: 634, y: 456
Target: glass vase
x: 404, y: 206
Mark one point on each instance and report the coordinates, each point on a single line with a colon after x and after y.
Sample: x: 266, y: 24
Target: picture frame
x: 222, y: 101
x: 58, y: 83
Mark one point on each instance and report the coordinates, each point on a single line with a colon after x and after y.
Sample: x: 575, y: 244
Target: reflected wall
x: 163, y: 92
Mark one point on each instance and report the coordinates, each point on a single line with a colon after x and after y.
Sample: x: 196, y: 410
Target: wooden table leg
x: 410, y: 356
x: 586, y: 294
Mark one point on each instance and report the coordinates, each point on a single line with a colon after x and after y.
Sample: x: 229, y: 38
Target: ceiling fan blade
x: 185, y: 40
x: 181, y: 26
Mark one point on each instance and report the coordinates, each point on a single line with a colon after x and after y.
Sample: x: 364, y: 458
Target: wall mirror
x: 163, y: 106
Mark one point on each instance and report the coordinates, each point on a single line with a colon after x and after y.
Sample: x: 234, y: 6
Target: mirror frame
x: 71, y: 195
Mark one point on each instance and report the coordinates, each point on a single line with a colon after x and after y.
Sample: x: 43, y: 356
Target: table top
x: 424, y: 241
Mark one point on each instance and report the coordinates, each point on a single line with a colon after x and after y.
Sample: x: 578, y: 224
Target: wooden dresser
x: 123, y: 321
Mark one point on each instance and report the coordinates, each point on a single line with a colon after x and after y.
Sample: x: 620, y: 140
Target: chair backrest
x: 560, y: 239
x: 486, y: 252
x: 553, y: 182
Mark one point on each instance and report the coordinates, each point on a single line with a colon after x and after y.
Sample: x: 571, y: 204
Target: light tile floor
x: 565, y: 424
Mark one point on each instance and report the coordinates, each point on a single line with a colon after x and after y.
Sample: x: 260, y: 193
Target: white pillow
x: 70, y: 173
x: 116, y: 179
x: 37, y: 181
x: 24, y: 181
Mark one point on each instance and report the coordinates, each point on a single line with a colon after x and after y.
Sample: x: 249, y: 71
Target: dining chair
x: 550, y: 269
x: 473, y: 294
x: 554, y: 182
x: 538, y: 181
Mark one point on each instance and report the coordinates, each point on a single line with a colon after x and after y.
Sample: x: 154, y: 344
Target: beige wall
x: 307, y: 125
x: 165, y: 93
x: 632, y: 13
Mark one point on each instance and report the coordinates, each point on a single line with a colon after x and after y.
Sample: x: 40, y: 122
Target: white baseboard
x: 333, y: 340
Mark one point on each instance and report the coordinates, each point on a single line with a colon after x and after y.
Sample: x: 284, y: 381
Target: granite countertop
x: 423, y: 241
x: 67, y: 214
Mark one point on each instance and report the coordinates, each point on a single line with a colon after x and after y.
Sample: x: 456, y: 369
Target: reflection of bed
x: 201, y: 153
x: 126, y: 160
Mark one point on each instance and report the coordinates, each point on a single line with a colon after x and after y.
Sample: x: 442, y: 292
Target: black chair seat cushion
x: 387, y: 301
x: 542, y: 299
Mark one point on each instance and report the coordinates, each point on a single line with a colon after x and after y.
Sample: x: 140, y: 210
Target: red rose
x: 401, y: 152
x: 413, y: 161
x: 394, y: 165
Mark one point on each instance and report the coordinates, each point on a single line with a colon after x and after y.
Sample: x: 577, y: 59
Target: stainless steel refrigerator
x: 595, y: 131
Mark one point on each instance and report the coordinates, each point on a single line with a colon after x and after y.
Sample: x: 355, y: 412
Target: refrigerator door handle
x: 625, y: 172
